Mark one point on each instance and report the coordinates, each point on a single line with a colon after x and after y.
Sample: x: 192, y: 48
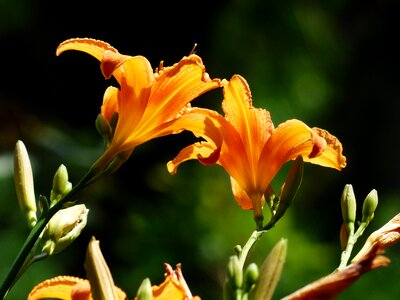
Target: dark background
x: 332, y: 64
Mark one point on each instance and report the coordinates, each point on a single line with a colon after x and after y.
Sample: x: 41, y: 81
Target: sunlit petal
x: 332, y: 154
x: 169, y: 289
x: 96, y: 48
x: 290, y: 139
x: 59, y: 287
x: 132, y: 100
x: 174, y: 88
x: 240, y: 195
x: 253, y: 125
x: 110, y: 102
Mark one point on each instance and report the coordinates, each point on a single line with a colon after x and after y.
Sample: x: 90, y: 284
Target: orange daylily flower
x: 249, y: 147
x: 148, y: 103
x: 174, y: 287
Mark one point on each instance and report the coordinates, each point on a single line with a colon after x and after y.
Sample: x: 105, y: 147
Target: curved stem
x: 35, y: 233
x: 255, y: 236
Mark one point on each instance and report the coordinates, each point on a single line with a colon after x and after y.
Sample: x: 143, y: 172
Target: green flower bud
x: 24, y: 186
x: 234, y: 272
x: 145, y: 291
x: 349, y: 207
x: 289, y: 190
x: 61, y: 185
x: 98, y: 273
x: 250, y: 277
x: 270, y: 272
x: 63, y: 228
x: 104, y: 129
x: 369, y: 206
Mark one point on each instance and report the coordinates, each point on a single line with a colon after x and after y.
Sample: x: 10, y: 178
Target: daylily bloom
x: 73, y: 288
x: 148, y: 103
x: 249, y: 147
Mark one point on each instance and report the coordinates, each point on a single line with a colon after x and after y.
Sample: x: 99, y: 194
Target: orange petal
x: 110, y: 62
x: 59, y: 287
x: 93, y: 47
x: 110, y: 102
x: 253, y: 125
x: 203, y: 123
x: 288, y: 140
x: 136, y: 84
x: 169, y: 289
x: 174, y: 88
x: 201, y: 151
x: 240, y: 195
x: 332, y: 155
x: 96, y: 48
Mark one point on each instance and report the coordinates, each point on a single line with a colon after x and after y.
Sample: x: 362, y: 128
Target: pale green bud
x: 102, y: 126
x: 63, y: 228
x: 250, y: 277
x: 104, y: 129
x: 61, y: 185
x: 145, y: 291
x: 98, y: 273
x: 24, y: 186
x: 369, y: 206
x: 234, y: 272
x: 270, y: 272
x: 349, y: 207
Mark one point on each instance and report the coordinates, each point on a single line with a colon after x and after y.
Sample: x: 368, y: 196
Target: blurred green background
x: 333, y: 64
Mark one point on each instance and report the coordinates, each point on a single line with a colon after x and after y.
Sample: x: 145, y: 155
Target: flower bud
x: 271, y: 270
x: 234, y: 272
x: 348, y: 204
x: 104, y: 129
x: 289, y: 190
x: 63, y: 228
x: 369, y: 206
x: 145, y: 291
x: 98, y: 273
x: 250, y: 277
x: 61, y: 185
x: 24, y: 186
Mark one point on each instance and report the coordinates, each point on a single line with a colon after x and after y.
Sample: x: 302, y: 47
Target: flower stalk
x: 21, y: 258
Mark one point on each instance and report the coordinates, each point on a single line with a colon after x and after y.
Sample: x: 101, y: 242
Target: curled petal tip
x: 111, y: 61
x: 91, y: 46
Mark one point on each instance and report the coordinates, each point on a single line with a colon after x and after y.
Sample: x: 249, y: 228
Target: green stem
x: 353, y: 237
x: 255, y: 236
x: 35, y: 233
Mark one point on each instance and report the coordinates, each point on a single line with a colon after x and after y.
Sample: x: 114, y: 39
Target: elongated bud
x: 234, y: 272
x: 289, y: 190
x: 61, y: 185
x: 349, y: 207
x: 98, y: 273
x: 145, y: 291
x: 270, y: 272
x: 24, y: 186
x: 63, y: 228
x: 369, y: 206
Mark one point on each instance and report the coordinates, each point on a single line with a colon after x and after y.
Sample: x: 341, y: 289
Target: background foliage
x: 333, y: 64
